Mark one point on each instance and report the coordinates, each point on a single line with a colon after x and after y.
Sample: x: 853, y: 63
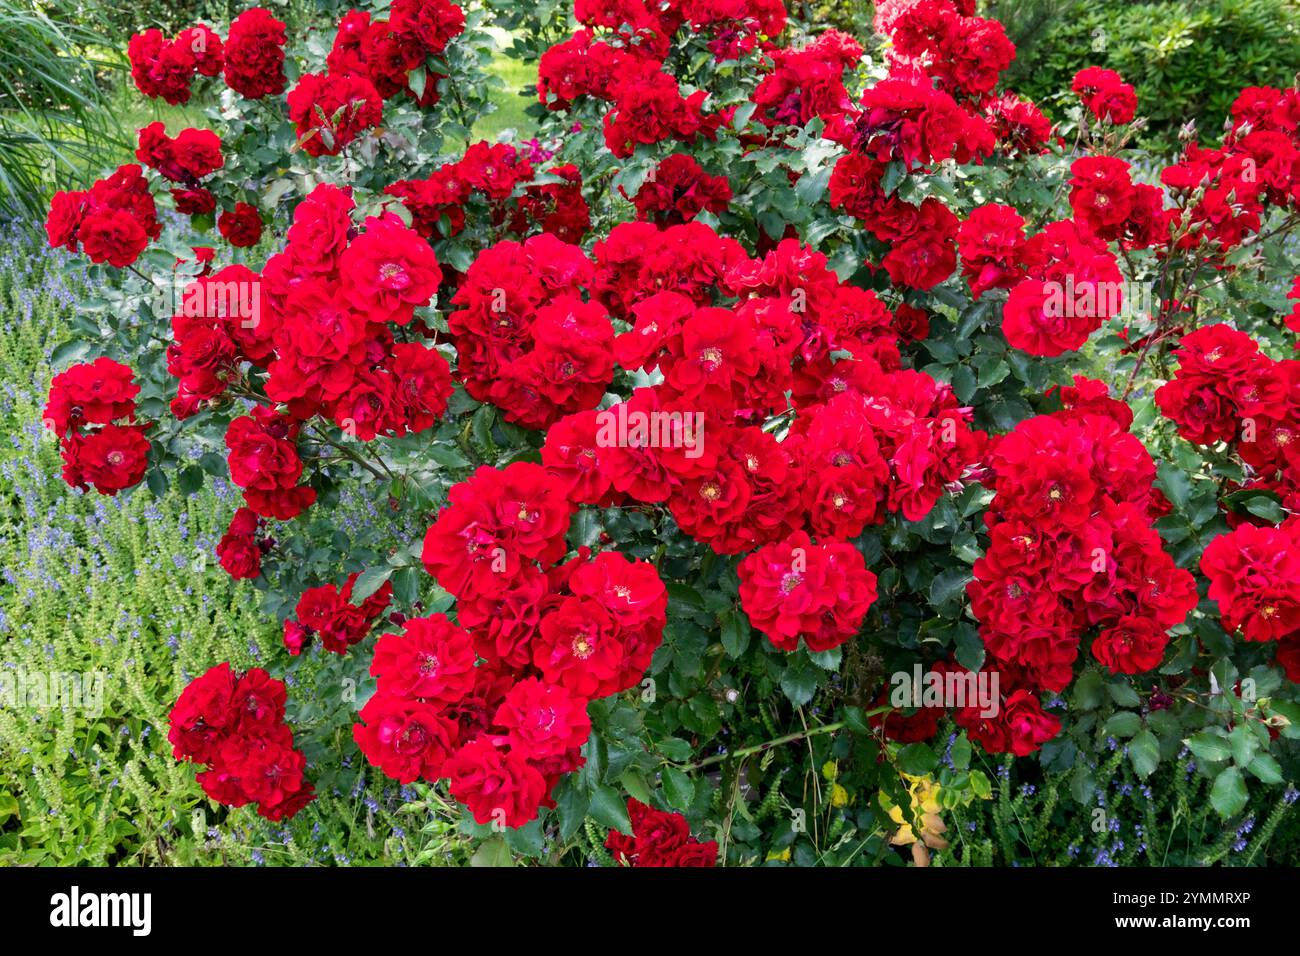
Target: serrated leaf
x: 493, y: 852
x: 799, y: 682
x: 1228, y: 795
x: 1208, y: 747
x: 679, y: 789
x: 735, y: 633
x: 1144, y: 753
x: 369, y: 581
x: 609, y: 809
x: 1123, y: 724
x: 1266, y: 768
x: 917, y: 759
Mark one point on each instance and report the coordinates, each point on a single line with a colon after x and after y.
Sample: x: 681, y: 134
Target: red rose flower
x: 498, y: 786
x: 241, y: 226
x: 406, y: 739
x: 431, y: 659
x: 543, y: 720
x: 796, y: 589
x: 254, y: 55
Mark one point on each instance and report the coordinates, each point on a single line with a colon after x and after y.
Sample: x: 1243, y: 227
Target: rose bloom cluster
x: 251, y: 59
x: 1020, y: 726
x: 1105, y: 95
x: 526, y: 339
x: 111, y: 222
x: 166, y: 68
x: 328, y: 613
x: 379, y: 56
x: 678, y: 189
x: 617, y: 55
x: 866, y: 437
x: 1072, y: 550
x: 1222, y: 195
x: 319, y: 325
x: 91, y: 408
x: 1226, y: 390
x: 1254, y: 575
x: 659, y: 839
x: 934, y: 105
x: 235, y: 724
x: 497, y: 702
x: 963, y: 54
x: 186, y: 160
x: 241, y: 548
x: 370, y: 61
x: 487, y: 175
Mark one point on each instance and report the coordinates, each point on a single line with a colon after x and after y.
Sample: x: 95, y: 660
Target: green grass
x: 510, y: 105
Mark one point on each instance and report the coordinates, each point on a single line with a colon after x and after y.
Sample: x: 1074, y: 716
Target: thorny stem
x: 352, y: 456
x: 776, y: 742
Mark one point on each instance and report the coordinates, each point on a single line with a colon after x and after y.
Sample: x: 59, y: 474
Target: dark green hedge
x: 1187, y: 58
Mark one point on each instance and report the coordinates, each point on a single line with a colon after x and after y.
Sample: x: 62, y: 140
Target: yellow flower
x: 839, y: 796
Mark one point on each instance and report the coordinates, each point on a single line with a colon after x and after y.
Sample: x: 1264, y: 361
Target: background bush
x: 1187, y: 58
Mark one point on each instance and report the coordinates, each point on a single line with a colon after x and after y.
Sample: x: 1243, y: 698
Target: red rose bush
x: 865, y: 353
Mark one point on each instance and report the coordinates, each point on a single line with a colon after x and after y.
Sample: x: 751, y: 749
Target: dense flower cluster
x: 388, y: 55
x: 1072, y: 551
x: 1226, y: 390
x: 329, y: 111
x: 488, y: 174
x: 1254, y: 575
x: 241, y: 226
x: 318, y: 322
x: 525, y: 338
x: 740, y: 370
x: 936, y: 104
x: 185, y: 159
x: 166, y: 68
x: 235, y: 724
x: 659, y: 838
x: 503, y: 740
x: 678, y: 189
x: 327, y: 613
x: 1222, y: 194
x: 796, y: 589
x: 963, y: 54
x: 240, y: 549
x: 111, y: 455
x: 253, y: 65
x: 1073, y: 284
x: 550, y: 638
x: 650, y: 109
x: 1105, y: 95
x: 264, y: 462
x: 111, y: 222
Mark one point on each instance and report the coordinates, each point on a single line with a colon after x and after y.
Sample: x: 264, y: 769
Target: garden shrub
x: 127, y: 594
x: 1188, y: 59
x: 748, y: 459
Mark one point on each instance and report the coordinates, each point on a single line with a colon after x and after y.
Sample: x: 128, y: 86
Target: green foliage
x: 1188, y: 59
x: 116, y: 22
x: 1167, y: 819
x: 53, y: 117
x: 850, y: 16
